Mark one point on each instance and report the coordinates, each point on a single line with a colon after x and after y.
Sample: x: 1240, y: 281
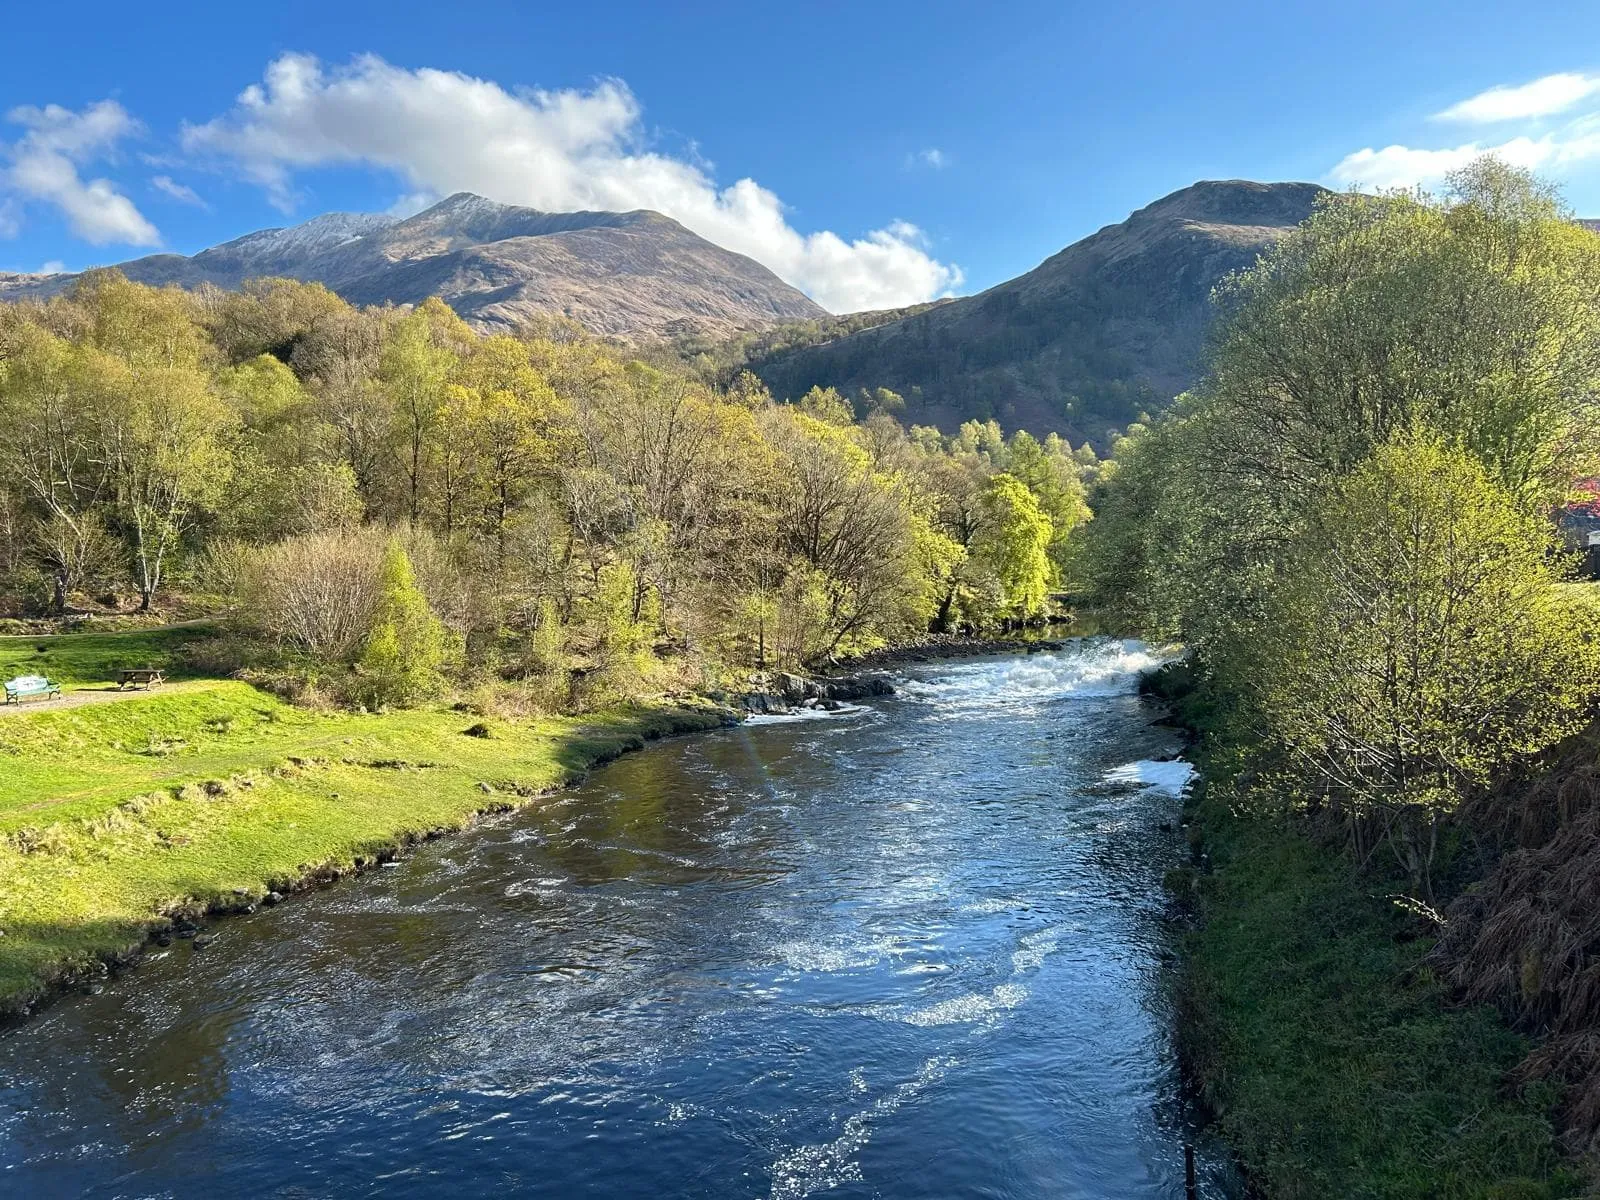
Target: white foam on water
x: 805, y: 714
x: 1086, y: 671
x: 1033, y: 949
x: 806, y: 1170
x: 1163, y: 778
x: 823, y: 956
x: 966, y: 1010
x: 990, y: 905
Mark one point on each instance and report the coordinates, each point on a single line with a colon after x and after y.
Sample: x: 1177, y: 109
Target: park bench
x: 146, y: 677
x: 23, y: 686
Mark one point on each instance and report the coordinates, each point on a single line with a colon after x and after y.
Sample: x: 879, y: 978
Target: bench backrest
x: 27, y: 683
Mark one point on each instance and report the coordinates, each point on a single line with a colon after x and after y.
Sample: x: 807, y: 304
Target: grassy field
x: 78, y: 660
x: 207, y: 794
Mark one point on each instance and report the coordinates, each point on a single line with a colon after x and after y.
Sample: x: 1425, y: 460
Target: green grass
x: 81, y: 659
x: 115, y: 814
x: 1335, y: 1062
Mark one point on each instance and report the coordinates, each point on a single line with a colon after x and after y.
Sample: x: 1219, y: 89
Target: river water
x: 915, y: 950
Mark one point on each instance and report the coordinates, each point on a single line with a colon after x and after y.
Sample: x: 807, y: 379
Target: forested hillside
x: 571, y: 516
x: 1110, y: 327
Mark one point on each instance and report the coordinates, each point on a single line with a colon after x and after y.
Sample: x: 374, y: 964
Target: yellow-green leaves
x: 1013, y: 537
x: 1421, y: 640
x: 407, y: 644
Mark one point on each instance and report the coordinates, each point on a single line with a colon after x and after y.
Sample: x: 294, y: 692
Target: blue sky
x: 871, y: 153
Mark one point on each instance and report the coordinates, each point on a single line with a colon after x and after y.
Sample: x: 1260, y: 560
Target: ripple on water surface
x: 910, y: 951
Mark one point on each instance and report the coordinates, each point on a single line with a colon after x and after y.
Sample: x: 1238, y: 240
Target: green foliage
x: 1013, y: 537
x: 260, y: 444
x: 1349, y: 523
x: 406, y: 645
x: 1472, y: 316
x: 1421, y: 641
x: 622, y: 614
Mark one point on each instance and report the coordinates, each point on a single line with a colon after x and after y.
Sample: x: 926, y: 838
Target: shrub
x: 406, y: 644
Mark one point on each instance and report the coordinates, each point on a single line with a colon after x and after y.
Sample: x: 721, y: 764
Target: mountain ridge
x: 632, y: 275
x: 1108, y: 327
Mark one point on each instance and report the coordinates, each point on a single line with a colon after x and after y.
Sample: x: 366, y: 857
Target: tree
x: 406, y: 645
x: 1011, y: 545
x: 286, y: 478
x: 1420, y: 643
x: 162, y: 428
x: 422, y: 354
x: 1051, y: 474
x: 848, y: 534
x: 51, y: 449
x: 1471, y: 314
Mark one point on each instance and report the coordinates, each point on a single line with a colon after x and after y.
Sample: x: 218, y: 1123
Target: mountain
x: 631, y: 275
x: 1111, y: 326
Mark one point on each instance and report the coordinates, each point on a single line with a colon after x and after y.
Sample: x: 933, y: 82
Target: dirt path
x: 77, y: 699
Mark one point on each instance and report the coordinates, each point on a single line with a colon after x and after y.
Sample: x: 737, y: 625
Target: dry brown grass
x: 1527, y: 939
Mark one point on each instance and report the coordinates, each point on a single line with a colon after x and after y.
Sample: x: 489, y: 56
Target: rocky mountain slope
x: 1111, y: 326
x: 631, y: 275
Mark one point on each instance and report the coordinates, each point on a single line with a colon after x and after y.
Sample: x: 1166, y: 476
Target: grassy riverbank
x: 116, y: 816
x: 1334, y: 1062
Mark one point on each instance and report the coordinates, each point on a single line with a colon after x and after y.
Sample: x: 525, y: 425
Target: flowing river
x: 914, y: 950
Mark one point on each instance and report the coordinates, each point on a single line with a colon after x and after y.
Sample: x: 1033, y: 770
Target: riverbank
x: 127, y: 822
x: 1331, y: 1058
x: 849, y: 935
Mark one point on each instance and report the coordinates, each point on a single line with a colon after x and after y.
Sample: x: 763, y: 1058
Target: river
x: 913, y: 950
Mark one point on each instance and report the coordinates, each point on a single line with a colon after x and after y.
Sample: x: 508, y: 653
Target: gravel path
x: 78, y: 699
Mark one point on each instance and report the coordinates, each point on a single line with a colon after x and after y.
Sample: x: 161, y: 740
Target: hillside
x: 635, y: 274
x: 1110, y: 326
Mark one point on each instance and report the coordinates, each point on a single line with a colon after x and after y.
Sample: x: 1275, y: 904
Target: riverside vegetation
x: 408, y: 533
x: 455, y: 569
x: 1349, y: 523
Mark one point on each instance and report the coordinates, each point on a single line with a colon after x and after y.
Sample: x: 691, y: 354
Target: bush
x: 315, y: 593
x: 1420, y: 644
x: 406, y: 644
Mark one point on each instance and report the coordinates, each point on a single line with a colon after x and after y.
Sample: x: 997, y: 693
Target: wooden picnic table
x: 147, y: 677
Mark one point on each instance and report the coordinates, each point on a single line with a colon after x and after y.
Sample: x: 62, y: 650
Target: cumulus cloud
x: 931, y: 157
x: 43, y: 166
x: 1543, y: 145
x: 180, y: 192
x: 444, y: 132
x: 1544, y: 97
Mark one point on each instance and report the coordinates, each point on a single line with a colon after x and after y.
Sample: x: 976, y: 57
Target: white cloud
x: 411, y: 203
x: 444, y: 132
x: 178, y: 191
x: 43, y: 166
x: 1544, y: 97
x: 54, y: 267
x: 931, y: 157
x: 1551, y: 148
